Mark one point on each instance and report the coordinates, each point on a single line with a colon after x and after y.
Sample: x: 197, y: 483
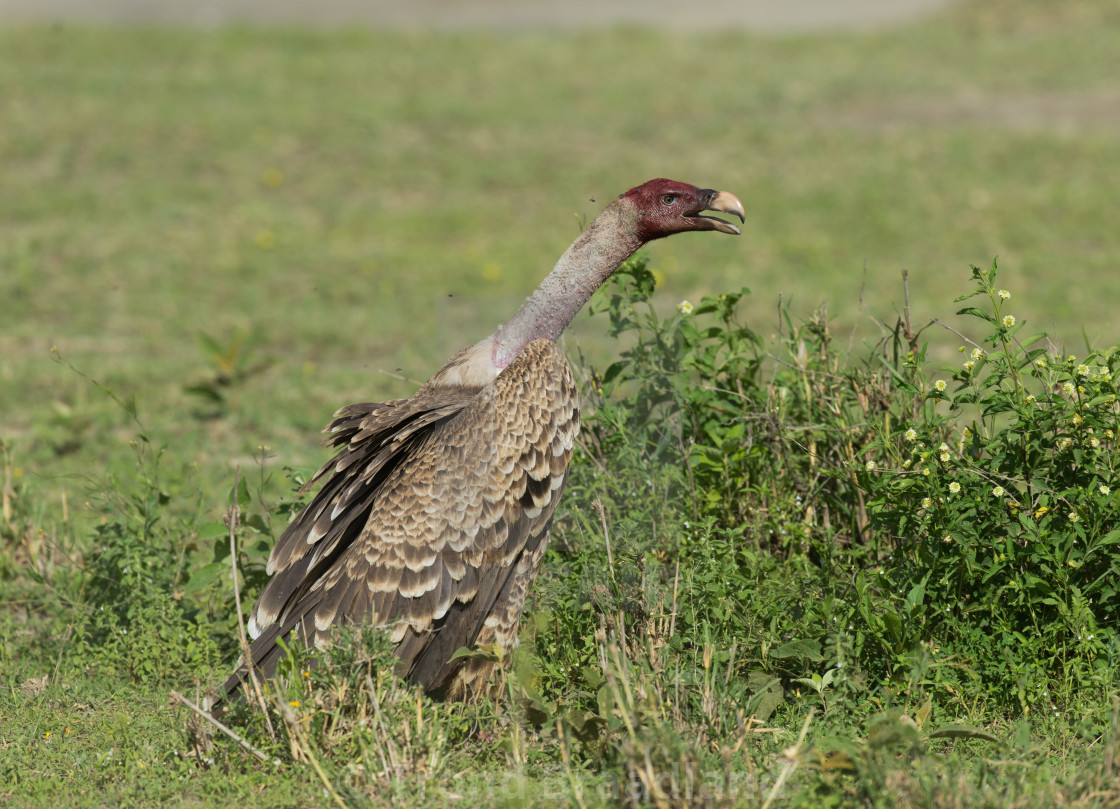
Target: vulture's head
x: 665, y: 207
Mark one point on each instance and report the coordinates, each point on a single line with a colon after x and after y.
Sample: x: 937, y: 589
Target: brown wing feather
x: 374, y: 438
x: 434, y: 522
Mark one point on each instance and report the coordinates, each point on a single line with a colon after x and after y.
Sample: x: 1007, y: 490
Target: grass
x: 239, y: 230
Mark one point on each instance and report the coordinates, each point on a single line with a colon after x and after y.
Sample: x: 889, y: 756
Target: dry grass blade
x: 793, y: 759
x: 297, y: 732
x: 175, y: 695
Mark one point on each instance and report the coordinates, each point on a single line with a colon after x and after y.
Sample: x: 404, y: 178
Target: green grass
x: 308, y: 202
x: 144, y: 169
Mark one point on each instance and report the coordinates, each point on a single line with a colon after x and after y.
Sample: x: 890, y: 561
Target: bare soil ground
x: 761, y: 15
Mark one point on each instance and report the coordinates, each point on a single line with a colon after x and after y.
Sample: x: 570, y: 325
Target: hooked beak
x: 724, y: 202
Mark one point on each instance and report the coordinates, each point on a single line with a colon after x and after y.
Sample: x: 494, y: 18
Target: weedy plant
x: 759, y: 438
x: 230, y: 364
x: 123, y: 596
x: 996, y: 505
x: 133, y: 620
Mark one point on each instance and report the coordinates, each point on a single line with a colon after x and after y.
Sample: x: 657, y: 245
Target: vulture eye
x: 668, y: 199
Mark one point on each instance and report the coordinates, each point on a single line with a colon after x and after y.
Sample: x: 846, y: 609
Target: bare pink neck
x: 598, y: 252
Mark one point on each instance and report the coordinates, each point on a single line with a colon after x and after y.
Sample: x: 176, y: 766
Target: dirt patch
x: 760, y: 15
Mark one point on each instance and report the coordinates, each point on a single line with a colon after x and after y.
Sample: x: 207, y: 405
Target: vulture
x: 434, y: 514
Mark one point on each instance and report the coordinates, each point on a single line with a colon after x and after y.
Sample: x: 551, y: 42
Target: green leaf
x: 204, y: 577
x: 613, y: 372
x: 917, y: 595
x: 760, y: 681
x: 586, y: 726
x: 893, y: 625
x: 205, y: 392
x: 1111, y: 538
x: 477, y: 653
x: 209, y: 530
x: 766, y: 701
x: 976, y: 312
x: 257, y: 523
x: 211, y: 347
x: 799, y: 649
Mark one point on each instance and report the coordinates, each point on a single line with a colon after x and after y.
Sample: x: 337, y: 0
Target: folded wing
x: 432, y: 522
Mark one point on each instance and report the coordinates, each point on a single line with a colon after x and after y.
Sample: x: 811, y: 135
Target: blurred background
x: 509, y: 15
x: 241, y: 215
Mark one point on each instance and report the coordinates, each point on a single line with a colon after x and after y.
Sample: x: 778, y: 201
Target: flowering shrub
x: 997, y: 505
x: 963, y: 516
